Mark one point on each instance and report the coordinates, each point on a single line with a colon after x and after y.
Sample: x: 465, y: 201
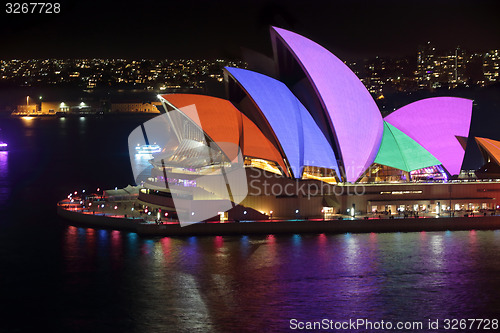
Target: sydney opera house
x: 312, y: 143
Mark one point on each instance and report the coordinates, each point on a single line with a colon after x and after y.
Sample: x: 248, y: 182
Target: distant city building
x: 384, y: 75
x: 135, y: 107
x: 432, y: 69
x: 71, y: 107
x: 491, y: 66
x: 52, y: 108
x: 451, y: 68
x: 27, y: 109
x: 426, y: 55
x: 94, y: 73
x: 440, y: 70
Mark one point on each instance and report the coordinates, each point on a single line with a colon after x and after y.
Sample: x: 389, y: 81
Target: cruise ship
x: 147, y: 149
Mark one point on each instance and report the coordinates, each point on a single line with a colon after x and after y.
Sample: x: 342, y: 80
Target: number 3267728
x: 32, y: 8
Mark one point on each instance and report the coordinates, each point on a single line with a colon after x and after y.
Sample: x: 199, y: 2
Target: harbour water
x: 60, y: 278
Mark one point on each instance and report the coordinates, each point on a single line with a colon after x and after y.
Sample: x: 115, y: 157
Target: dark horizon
x: 208, y: 30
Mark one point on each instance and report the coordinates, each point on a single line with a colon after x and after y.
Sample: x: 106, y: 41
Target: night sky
x: 219, y: 28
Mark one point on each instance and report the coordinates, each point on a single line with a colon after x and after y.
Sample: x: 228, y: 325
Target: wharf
x: 79, y: 217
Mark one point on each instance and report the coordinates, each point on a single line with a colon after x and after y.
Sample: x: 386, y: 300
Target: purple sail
x: 348, y: 109
x: 435, y: 123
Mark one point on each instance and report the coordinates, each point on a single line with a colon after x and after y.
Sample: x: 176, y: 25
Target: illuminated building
x: 425, y: 61
x: 135, y: 107
x: 440, y: 70
x: 26, y: 110
x: 315, y: 126
x: 62, y: 108
x: 491, y: 65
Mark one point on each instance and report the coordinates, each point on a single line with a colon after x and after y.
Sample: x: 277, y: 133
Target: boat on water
x: 147, y: 149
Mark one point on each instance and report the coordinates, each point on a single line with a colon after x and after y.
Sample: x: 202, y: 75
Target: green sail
x: 398, y: 150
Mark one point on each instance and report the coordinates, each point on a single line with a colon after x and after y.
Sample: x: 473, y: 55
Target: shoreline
x: 281, y: 227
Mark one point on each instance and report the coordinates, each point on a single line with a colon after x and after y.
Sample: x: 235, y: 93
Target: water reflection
x: 4, y: 177
x: 28, y: 124
x: 257, y: 283
x: 141, y: 162
x: 436, y: 257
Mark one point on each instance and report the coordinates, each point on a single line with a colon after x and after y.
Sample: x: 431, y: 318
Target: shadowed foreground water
x: 58, y: 278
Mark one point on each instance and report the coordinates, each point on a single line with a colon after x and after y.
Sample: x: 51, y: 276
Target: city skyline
x: 197, y: 29
x: 430, y: 68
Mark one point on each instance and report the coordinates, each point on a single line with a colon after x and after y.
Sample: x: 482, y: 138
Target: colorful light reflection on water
x: 258, y: 283
x: 4, y: 177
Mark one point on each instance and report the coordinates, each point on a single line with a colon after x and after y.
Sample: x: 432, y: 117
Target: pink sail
x: 350, y: 111
x: 435, y: 123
